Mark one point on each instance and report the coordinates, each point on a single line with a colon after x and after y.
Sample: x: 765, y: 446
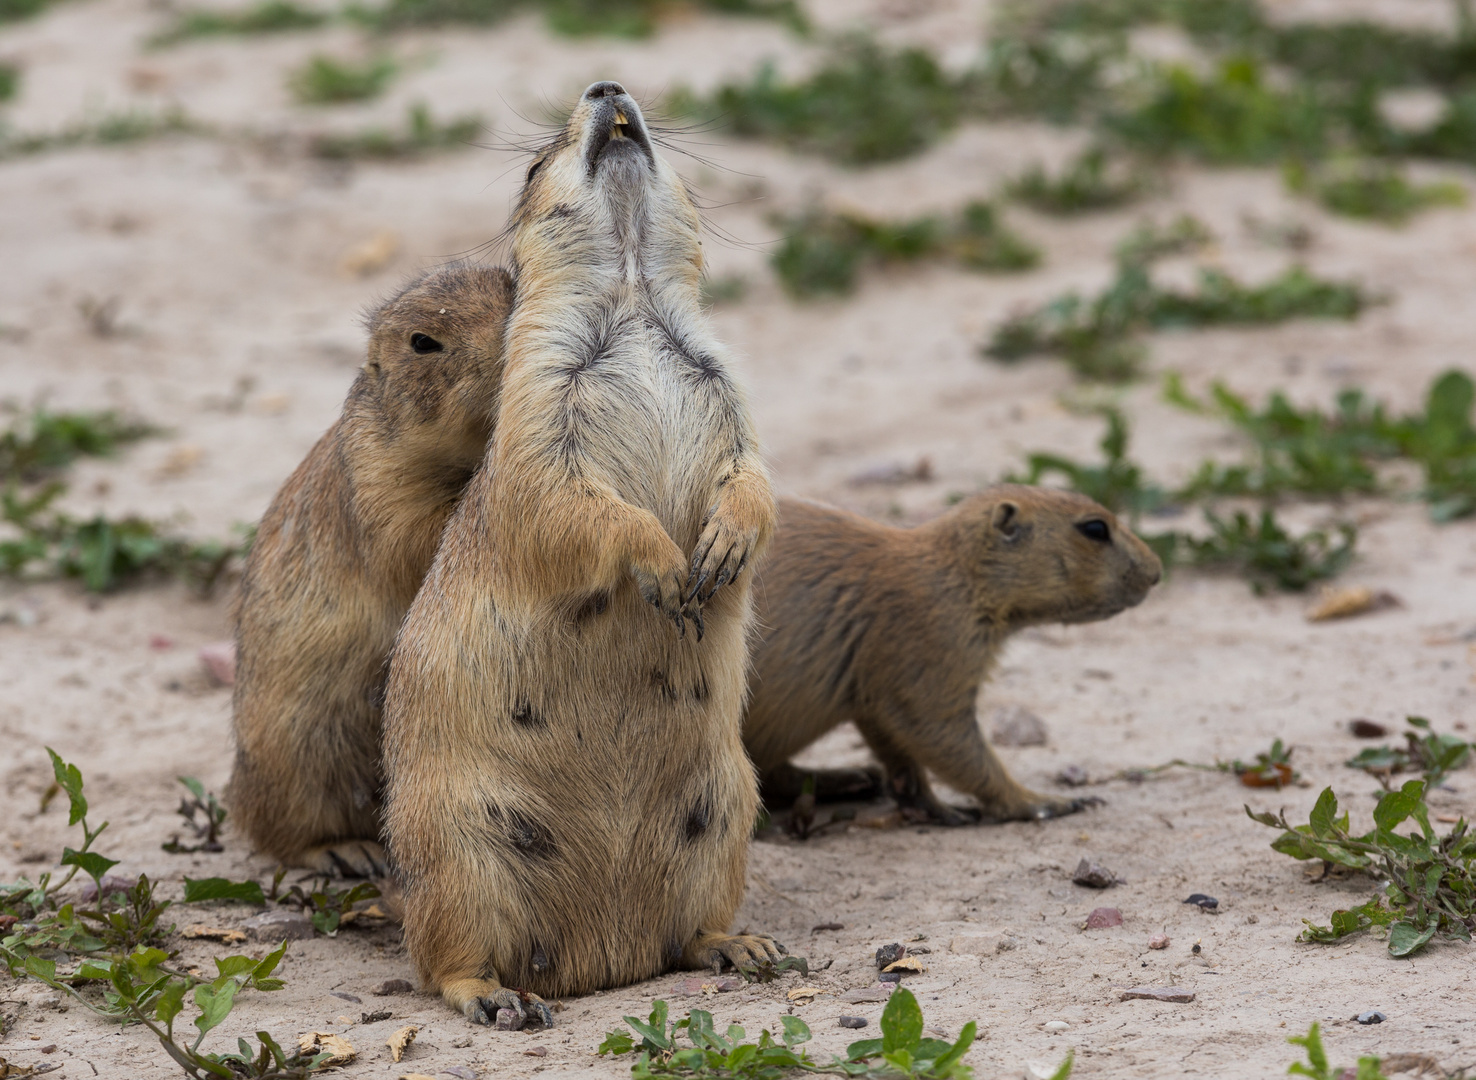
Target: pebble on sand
x: 1093, y: 875
x: 1372, y: 1016
x: 1103, y: 917
x: 1158, y: 941
x: 890, y: 954
x: 1056, y: 1025
x: 853, y: 1021
x: 1155, y: 993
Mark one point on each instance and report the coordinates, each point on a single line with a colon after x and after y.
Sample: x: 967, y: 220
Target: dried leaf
x: 401, y: 1040
x: 1155, y: 993
x: 372, y: 255
x: 1344, y: 603
x: 907, y: 963
x: 325, y: 1042
x: 213, y: 933
x: 803, y: 995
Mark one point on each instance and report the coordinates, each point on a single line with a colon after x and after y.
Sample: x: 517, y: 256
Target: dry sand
x: 236, y: 327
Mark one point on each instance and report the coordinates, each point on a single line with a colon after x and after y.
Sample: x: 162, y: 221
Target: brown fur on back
x: 569, y: 803
x: 339, y: 556
x: 896, y: 629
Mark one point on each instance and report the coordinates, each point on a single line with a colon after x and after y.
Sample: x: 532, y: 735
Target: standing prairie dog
x: 568, y: 801
x: 337, y: 560
x: 895, y: 629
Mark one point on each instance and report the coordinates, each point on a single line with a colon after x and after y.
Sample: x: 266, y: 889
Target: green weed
x: 421, y: 135
x: 38, y: 445
x: 1262, y: 551
x: 1151, y: 241
x: 1118, y: 483
x: 1089, y: 183
x: 266, y: 17
x: 1426, y: 752
x: 1316, y: 1066
x: 1040, y: 77
x: 1370, y: 189
x: 9, y: 81
x: 902, y: 1051
x: 326, y: 81
x: 16, y: 10
x: 108, y: 129
x: 619, y: 18
x: 1442, y: 440
x: 1430, y: 880
x: 1098, y: 337
x: 207, y: 828
x: 823, y: 252
x: 865, y: 104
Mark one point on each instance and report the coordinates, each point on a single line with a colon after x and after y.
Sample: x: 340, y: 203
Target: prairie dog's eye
x: 424, y: 343
x: 1095, y: 529
x: 537, y: 164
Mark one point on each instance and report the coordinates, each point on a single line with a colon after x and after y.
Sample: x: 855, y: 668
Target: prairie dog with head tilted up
x: 568, y: 801
x: 337, y: 560
x: 895, y: 629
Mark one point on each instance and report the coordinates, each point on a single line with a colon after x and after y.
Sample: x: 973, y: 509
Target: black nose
x: 603, y: 89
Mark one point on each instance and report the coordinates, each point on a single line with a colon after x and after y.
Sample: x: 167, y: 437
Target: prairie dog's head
x: 1038, y: 555
x: 435, y: 361
x: 598, y: 196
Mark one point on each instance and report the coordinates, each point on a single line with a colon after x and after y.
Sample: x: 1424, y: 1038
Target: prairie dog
x: 337, y: 560
x: 569, y: 805
x: 895, y: 629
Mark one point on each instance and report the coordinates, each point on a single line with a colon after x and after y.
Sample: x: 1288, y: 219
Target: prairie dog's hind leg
x: 480, y: 1000
x: 711, y: 950
x: 781, y: 784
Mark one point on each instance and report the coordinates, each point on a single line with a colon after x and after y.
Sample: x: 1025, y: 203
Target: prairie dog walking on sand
x: 337, y: 560
x: 568, y: 799
x: 896, y: 629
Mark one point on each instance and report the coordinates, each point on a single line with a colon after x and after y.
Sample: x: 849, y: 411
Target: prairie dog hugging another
x: 568, y: 800
x: 895, y: 629
x: 339, y: 556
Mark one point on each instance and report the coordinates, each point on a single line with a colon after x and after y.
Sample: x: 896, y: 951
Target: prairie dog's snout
x: 613, y: 124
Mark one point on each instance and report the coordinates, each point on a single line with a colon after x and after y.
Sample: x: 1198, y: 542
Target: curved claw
x: 488, y: 1009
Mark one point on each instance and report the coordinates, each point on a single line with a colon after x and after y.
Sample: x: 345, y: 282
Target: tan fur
x: 896, y: 628
x: 337, y: 560
x: 568, y: 801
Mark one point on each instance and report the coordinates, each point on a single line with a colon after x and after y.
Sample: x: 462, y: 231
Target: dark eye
x: 1095, y: 529
x: 424, y: 343
x: 533, y: 169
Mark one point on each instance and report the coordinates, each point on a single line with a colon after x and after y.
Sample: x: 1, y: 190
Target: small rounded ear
x: 1007, y: 520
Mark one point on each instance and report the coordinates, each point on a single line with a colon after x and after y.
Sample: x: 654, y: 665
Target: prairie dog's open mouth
x: 618, y: 128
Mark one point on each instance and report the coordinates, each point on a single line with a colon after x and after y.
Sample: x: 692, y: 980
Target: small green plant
x: 1118, y: 483
x: 265, y: 17
x: 324, y: 80
x: 211, y: 818
x: 867, y: 103
x: 101, y: 552
x: 823, y: 252
x: 1426, y: 752
x: 16, y: 10
x: 9, y: 80
x: 1098, y: 337
x: 421, y: 135
x: 325, y: 905
x: 619, y: 18
x: 1151, y: 241
x: 1261, y: 550
x: 1041, y: 76
x: 1430, y: 880
x: 1316, y: 1066
x: 1271, y: 768
x: 1091, y: 182
x: 1370, y: 189
x: 901, y: 1052
x: 1442, y: 440
x: 42, y: 443
x: 107, y: 129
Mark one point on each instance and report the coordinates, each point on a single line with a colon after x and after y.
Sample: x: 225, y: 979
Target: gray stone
x: 278, y: 926
x: 1155, y: 993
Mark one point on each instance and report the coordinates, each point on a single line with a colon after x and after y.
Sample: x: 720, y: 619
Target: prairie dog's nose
x: 603, y: 89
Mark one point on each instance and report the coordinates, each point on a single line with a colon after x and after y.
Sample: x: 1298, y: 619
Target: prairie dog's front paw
x: 659, y: 575
x: 721, y: 553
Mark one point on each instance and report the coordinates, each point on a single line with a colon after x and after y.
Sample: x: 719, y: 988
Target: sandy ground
x: 237, y: 328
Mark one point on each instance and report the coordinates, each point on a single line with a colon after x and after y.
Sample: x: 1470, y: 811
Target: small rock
x: 1199, y: 899
x: 1366, y: 729
x: 1093, y: 875
x: 219, y: 661
x: 536, y: 1051
x: 161, y: 641
x: 853, y: 1021
x: 1103, y: 917
x: 866, y: 994
x: 507, y: 1020
x: 112, y: 884
x: 462, y: 1043
x: 1158, y: 941
x: 347, y: 996
x: 1056, y: 1025
x: 393, y: 986
x: 709, y: 985
x: 1372, y: 1016
x: 1040, y: 1070
x: 375, y: 1017
x: 1015, y: 725
x: 277, y: 925
x: 889, y: 954
x: 1072, y: 776
x: 50, y: 1048
x: 889, y: 977
x: 1155, y: 993
x: 461, y: 1072
x: 827, y: 926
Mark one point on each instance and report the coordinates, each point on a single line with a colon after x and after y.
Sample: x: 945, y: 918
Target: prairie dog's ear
x: 1007, y: 521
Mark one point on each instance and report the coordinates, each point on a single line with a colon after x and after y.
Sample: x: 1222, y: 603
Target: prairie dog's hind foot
x: 481, y: 1000
x: 711, y: 951
x: 1033, y: 806
x: 781, y: 785
x: 345, y: 859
